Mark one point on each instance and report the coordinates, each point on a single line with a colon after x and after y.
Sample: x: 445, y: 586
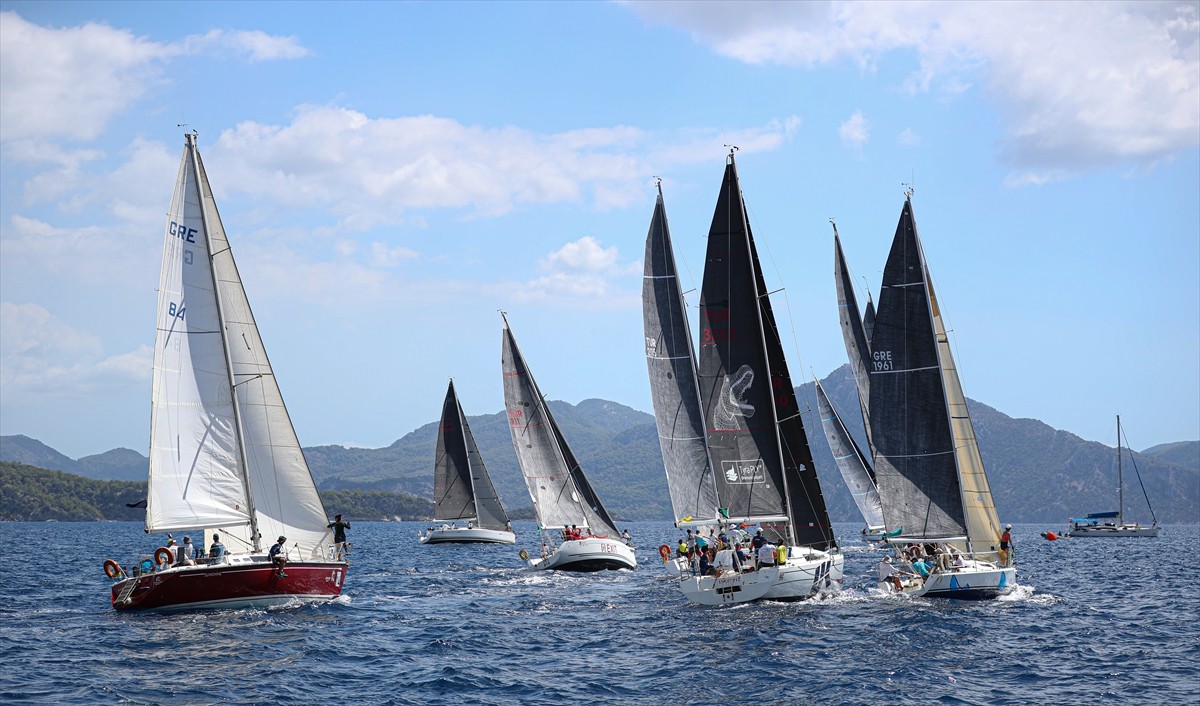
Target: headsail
x: 855, y: 468
x: 674, y: 389
x: 560, y: 492
x: 756, y: 436
x: 224, y: 453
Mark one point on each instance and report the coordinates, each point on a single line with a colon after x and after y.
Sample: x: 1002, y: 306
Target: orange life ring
x: 111, y: 568
x: 665, y: 552
x: 158, y: 556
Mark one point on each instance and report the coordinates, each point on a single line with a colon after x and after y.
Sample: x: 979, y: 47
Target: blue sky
x: 392, y: 174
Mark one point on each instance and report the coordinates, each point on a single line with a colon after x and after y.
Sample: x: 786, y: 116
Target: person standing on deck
x: 339, y: 535
x: 1006, y: 545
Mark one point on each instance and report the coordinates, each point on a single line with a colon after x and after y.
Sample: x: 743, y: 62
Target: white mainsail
x: 223, y: 452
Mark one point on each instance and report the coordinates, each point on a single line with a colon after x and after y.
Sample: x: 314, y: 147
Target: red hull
x: 230, y: 586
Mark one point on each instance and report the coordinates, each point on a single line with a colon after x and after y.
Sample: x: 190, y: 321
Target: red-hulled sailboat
x: 224, y: 456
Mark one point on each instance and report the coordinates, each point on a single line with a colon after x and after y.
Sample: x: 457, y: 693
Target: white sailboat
x: 462, y: 489
x: 224, y: 457
x: 761, y: 467
x: 578, y: 534
x: 1113, y: 524
x: 931, y: 477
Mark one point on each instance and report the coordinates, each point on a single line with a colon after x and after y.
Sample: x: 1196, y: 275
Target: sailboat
x: 931, y: 477
x: 224, y: 455
x: 1101, y: 524
x: 675, y: 387
x: 762, y: 468
x: 854, y: 466
x: 578, y: 534
x: 462, y: 490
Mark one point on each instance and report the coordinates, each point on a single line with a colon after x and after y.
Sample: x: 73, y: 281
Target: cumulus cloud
x: 372, y: 170
x: 855, y: 132
x: 69, y: 82
x: 41, y: 355
x: 582, y: 270
x: 1080, y: 85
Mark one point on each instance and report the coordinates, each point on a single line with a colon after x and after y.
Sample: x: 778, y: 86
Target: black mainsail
x: 674, y: 389
x: 927, y: 463
x: 759, y: 450
x: 854, y: 334
x: 462, y: 489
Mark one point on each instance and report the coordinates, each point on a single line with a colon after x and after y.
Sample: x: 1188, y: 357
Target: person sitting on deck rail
x: 278, y: 556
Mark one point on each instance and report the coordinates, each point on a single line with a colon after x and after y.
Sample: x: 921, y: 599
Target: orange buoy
x: 111, y: 568
x: 163, y: 555
x: 1050, y: 536
x: 665, y: 552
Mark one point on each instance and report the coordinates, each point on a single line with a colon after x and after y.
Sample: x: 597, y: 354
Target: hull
x: 477, y: 535
x: 248, y: 584
x: 1112, y: 531
x: 676, y: 566
x: 806, y: 574
x: 874, y: 535
x: 978, y: 580
x: 588, y: 554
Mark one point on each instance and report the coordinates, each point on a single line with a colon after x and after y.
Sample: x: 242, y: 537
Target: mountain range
x: 1037, y: 473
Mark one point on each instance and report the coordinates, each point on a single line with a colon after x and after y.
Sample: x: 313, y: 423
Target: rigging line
x: 1139, y: 475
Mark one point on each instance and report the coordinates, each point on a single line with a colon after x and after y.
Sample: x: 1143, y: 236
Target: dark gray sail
x: 756, y: 437
x: 462, y: 489
x: 869, y: 321
x: 915, y: 465
x: 561, y: 493
x: 853, y: 464
x: 854, y: 334
x: 453, y: 497
x: 674, y: 389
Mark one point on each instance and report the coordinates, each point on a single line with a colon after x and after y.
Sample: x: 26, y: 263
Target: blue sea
x: 1094, y: 621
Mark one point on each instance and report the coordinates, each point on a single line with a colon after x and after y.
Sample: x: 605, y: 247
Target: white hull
x: 873, y: 535
x: 588, y: 554
x: 467, y: 534
x: 806, y: 573
x: 675, y: 566
x: 976, y: 580
x: 1113, y: 531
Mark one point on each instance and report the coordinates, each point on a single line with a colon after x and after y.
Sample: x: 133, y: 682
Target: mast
x: 243, y: 462
x: 1120, y: 479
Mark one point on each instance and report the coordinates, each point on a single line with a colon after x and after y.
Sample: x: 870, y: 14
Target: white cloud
x: 255, y: 45
x: 855, y: 132
x: 40, y: 355
x: 69, y: 82
x: 375, y: 170
x: 1080, y: 85
x: 581, y: 270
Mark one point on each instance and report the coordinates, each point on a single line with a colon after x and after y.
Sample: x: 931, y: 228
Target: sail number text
x: 182, y: 232
x: 175, y: 311
x: 883, y: 360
